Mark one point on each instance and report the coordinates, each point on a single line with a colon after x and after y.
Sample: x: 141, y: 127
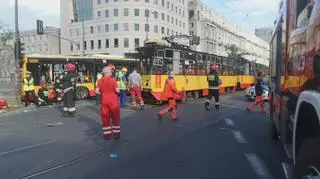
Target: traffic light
x: 40, y: 27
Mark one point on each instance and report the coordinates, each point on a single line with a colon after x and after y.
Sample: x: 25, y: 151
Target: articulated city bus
x: 43, y: 68
x: 295, y: 86
x: 190, y: 68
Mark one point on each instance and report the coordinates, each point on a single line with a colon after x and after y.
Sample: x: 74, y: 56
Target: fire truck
x: 295, y: 86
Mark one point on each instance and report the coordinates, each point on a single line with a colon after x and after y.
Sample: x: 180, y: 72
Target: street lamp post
x: 17, y: 51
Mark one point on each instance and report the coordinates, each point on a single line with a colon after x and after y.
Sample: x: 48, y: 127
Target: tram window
x: 160, y: 53
x: 169, y: 53
x: 85, y: 73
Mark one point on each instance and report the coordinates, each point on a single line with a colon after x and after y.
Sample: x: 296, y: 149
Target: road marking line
x: 258, y: 166
x: 229, y: 122
x: 239, y: 137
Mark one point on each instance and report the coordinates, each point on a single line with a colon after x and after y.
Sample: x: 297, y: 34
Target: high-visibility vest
x: 121, y: 83
x: 28, y: 85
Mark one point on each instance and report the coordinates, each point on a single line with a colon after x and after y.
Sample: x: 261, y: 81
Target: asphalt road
x: 229, y: 143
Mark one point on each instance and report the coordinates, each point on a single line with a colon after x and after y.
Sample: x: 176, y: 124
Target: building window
x: 91, y: 29
x: 168, y: 31
x: 107, y: 13
x: 180, y: 12
x: 171, y: 7
x: 71, y: 47
x: 146, y: 28
x: 92, y: 44
x: 168, y: 18
x: 99, y: 29
x: 98, y: 1
x: 98, y: 13
x: 184, y: 25
x: 176, y: 10
x: 106, y: 27
x: 147, y: 1
x: 183, y: 13
x: 180, y: 23
x: 116, y: 1
x: 176, y: 22
x: 168, y: 4
x: 156, y: 29
x: 192, y: 24
x: 136, y: 27
x: 115, y: 12
x: 155, y: 1
x: 115, y: 27
x: 99, y: 44
x: 85, y: 45
x: 126, y: 43
x: 162, y: 30
x: 126, y: 12
x: 107, y: 1
x: 107, y: 43
x: 136, y: 42
x: 77, y: 32
x: 45, y: 47
x: 172, y: 20
x: 155, y: 13
x: 126, y: 27
x: 125, y: 0
x: 116, y: 43
x: 136, y: 12
x: 163, y: 16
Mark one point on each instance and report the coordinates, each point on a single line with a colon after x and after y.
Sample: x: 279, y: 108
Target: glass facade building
x: 84, y: 9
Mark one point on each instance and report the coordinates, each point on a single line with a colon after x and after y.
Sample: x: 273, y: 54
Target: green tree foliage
x: 235, y: 52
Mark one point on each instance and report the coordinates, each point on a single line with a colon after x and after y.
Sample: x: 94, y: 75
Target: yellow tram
x: 190, y: 68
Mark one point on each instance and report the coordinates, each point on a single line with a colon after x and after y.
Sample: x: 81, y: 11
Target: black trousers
x: 98, y: 99
x: 26, y: 97
x: 69, y: 102
x: 214, y: 93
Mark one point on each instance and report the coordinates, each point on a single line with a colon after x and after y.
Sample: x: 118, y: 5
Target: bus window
x: 85, y: 73
x: 35, y: 69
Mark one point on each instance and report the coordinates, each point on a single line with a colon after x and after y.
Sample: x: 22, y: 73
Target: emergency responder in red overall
x: 68, y: 86
x: 109, y: 90
x: 213, y: 82
x: 58, y: 87
x: 135, y: 87
x: 171, y: 93
x: 259, y: 92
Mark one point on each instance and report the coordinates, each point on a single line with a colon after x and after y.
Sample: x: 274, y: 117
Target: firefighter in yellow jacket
x: 28, y: 88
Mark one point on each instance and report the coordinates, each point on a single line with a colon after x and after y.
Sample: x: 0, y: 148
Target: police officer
x: 58, y: 86
x: 68, y: 86
x: 214, y: 83
x: 28, y: 88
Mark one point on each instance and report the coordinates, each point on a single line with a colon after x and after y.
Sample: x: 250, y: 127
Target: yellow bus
x: 190, y: 68
x: 87, y: 68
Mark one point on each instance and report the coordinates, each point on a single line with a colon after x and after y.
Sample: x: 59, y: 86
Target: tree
x: 6, y: 35
x: 234, y: 52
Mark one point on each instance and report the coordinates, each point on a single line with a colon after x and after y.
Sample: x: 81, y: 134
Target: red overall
x: 136, y: 91
x: 109, y: 106
x: 170, y: 92
x: 258, y: 100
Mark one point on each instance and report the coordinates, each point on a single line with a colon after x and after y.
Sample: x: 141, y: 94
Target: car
x: 251, y: 93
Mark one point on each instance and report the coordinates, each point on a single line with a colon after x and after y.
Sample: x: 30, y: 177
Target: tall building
x: 264, y: 33
x: 119, y: 26
x: 216, y: 33
x: 46, y: 44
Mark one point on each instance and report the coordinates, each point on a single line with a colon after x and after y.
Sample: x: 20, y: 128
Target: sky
x: 249, y: 14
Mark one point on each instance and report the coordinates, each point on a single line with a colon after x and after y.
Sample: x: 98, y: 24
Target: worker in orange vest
x: 171, y: 93
x: 259, y: 92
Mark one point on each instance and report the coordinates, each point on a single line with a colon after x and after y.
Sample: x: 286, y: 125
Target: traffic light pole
x: 17, y: 52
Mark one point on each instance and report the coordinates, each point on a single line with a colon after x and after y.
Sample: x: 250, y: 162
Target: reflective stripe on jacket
x: 28, y: 85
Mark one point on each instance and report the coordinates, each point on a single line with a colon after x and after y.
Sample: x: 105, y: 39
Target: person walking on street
x: 28, y: 88
x: 171, y: 93
x: 214, y: 82
x: 135, y: 87
x: 109, y: 90
x: 122, y: 83
x: 68, y: 86
x: 259, y: 92
x: 58, y: 87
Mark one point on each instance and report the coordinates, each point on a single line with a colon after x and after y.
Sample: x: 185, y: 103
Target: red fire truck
x: 295, y: 86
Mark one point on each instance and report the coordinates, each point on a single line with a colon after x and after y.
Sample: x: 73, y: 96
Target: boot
x: 207, y: 106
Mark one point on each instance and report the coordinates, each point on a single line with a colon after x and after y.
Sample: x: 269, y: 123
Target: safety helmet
x: 111, y: 66
x: 124, y: 70
x: 70, y: 67
x: 214, y: 67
